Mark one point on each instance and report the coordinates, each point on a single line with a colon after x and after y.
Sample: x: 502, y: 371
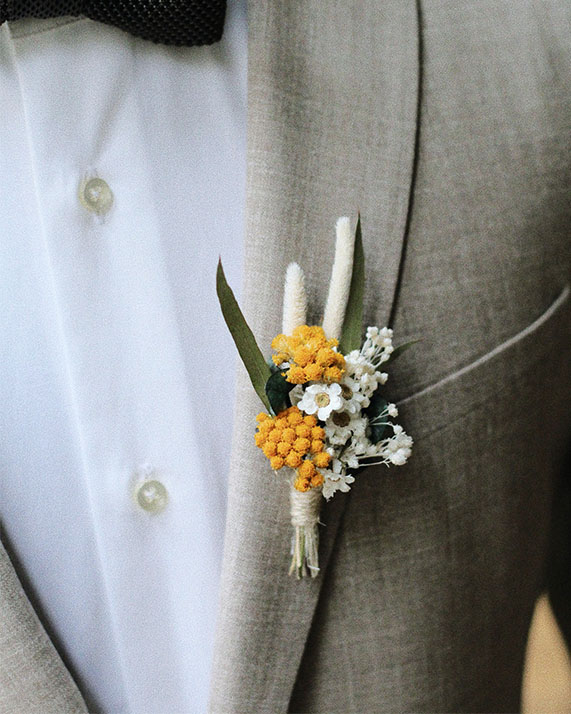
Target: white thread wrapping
x: 340, y: 284
x: 304, y: 511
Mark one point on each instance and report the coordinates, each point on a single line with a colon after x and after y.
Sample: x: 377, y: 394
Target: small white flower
x: 321, y: 398
x: 398, y: 448
x: 392, y: 410
x: 336, y: 479
x: 394, y: 450
x: 353, y: 396
x: 341, y: 426
x: 336, y: 435
x: 378, y: 346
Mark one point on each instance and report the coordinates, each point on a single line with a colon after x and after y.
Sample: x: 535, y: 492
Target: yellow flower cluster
x: 310, y: 354
x: 294, y: 439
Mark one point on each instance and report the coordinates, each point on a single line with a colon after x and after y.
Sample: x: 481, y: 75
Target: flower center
x: 341, y: 418
x: 322, y: 399
x: 346, y: 392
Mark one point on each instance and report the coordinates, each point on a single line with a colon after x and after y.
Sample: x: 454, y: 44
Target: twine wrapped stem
x: 304, y: 511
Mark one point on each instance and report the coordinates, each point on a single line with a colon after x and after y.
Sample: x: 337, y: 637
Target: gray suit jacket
x: 447, y: 124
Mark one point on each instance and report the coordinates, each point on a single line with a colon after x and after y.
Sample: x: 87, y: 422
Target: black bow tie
x: 170, y: 22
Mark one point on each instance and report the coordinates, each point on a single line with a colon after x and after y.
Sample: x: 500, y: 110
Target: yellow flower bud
x: 295, y: 375
x: 316, y: 480
x: 303, y: 430
x: 302, y: 445
x: 316, y: 446
x: 302, y: 356
x: 280, y: 343
x: 339, y: 360
x: 322, y: 459
x: 306, y: 470
x: 266, y: 426
x: 325, y: 357
x: 333, y: 374
x: 276, y: 462
x: 283, y: 448
x: 293, y: 460
x: 301, y: 484
x: 275, y: 435
x: 269, y: 449
x: 288, y: 435
x: 313, y: 372
x: 294, y: 417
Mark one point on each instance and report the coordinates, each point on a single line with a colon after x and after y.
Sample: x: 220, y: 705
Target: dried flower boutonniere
x: 326, y: 416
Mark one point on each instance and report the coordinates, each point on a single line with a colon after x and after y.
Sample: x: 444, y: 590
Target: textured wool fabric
x: 32, y: 676
x: 429, y: 572
x: 169, y: 22
x: 328, y: 133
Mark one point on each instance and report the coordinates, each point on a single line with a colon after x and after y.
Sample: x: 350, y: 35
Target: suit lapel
x: 332, y: 94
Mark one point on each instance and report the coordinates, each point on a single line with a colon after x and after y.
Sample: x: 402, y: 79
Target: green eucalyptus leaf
x: 397, y: 352
x: 244, y: 339
x: 277, y: 390
x: 353, y: 323
x: 376, y: 407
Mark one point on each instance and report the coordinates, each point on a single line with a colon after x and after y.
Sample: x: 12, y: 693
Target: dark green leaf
x: 353, y: 323
x: 243, y: 337
x: 376, y: 407
x: 397, y: 352
x: 277, y: 389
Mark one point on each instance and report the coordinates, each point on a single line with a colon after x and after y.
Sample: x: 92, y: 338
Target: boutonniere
x: 325, y: 415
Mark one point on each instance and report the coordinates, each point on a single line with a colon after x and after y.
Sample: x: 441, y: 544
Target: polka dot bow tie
x: 169, y: 22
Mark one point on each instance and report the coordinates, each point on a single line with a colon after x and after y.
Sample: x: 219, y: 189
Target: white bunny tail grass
x: 295, y: 299
x: 340, y: 279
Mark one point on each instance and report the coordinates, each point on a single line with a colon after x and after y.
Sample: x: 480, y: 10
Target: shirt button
x: 152, y: 496
x: 96, y: 196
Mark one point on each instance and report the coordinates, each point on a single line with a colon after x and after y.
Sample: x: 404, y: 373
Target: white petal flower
x: 392, y: 410
x: 342, y: 426
x: 353, y: 397
x: 336, y: 479
x: 398, y: 448
x: 336, y: 435
x: 321, y: 399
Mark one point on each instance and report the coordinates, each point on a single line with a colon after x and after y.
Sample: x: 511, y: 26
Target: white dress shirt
x: 122, y: 165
